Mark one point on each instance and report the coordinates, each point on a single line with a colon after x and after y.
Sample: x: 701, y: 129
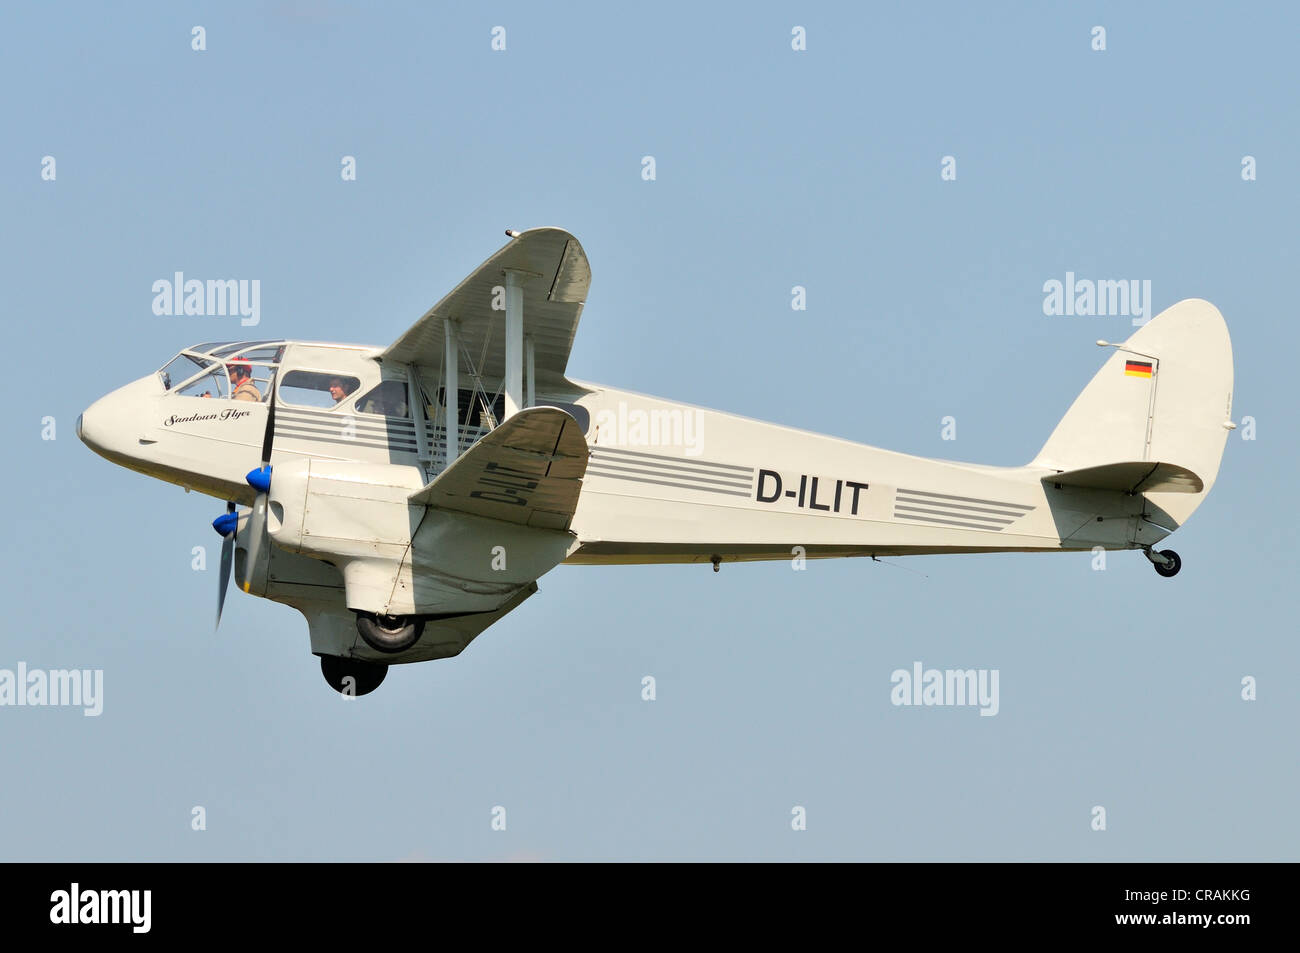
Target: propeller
x: 260, y: 480
x: 227, y: 525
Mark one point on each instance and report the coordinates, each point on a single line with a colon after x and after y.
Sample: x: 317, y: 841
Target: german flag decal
x: 1137, y: 368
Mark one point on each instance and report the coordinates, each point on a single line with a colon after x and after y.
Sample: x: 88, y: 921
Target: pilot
x: 339, y: 388
x: 241, y: 375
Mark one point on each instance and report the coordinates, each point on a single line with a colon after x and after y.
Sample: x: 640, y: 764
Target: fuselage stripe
x: 685, y: 486
x: 949, y: 522
x: 958, y: 508
x: 358, y: 423
x: 902, y: 511
x: 968, y: 499
x: 340, y: 431
x: 671, y: 461
x: 676, y: 474
x: 358, y: 442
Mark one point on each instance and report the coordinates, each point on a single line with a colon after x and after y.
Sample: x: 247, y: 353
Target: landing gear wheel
x: 352, y: 676
x: 1175, y: 563
x: 389, y: 634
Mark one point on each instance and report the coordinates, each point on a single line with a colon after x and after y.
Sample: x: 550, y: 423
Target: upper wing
x: 528, y: 471
x: 559, y: 276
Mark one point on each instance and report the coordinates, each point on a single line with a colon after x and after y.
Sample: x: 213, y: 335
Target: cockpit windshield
x: 224, y: 370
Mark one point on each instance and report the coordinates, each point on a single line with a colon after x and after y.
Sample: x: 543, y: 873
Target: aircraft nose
x: 113, y: 425
x: 88, y: 429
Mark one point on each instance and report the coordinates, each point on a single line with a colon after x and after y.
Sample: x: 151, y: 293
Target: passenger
x: 339, y: 388
x: 241, y: 376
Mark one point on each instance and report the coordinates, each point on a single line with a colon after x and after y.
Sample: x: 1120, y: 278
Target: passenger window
x: 316, y: 388
x: 388, y: 399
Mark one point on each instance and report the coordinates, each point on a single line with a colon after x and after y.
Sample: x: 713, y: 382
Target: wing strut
x: 451, y: 390
x: 514, y: 341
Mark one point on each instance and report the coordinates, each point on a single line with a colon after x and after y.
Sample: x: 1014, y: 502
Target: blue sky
x: 775, y: 168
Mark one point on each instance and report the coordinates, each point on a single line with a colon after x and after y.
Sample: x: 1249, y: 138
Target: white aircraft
x: 399, y: 544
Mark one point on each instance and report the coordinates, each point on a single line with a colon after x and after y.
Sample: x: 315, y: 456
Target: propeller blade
x: 256, y: 527
x: 227, y: 559
x: 260, y: 480
x: 269, y: 437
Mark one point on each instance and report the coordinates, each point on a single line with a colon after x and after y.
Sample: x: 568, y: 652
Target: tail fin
x: 1163, y: 397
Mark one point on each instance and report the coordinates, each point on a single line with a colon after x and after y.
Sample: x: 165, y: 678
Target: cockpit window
x: 241, y: 347
x: 263, y: 362
x: 179, y: 377
x: 316, y: 388
x: 212, y: 384
x: 254, y: 363
x: 269, y: 355
x: 180, y: 369
x: 389, y: 399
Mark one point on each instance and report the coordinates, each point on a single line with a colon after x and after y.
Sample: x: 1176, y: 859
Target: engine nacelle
x: 399, y: 558
x: 331, y: 509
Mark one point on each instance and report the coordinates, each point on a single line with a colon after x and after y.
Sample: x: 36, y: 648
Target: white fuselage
x: 664, y: 483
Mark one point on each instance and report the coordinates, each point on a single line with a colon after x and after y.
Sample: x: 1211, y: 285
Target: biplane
x: 405, y: 498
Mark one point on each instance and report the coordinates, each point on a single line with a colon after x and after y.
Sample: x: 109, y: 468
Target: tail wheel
x: 352, y: 676
x: 389, y: 634
x: 1174, y: 563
